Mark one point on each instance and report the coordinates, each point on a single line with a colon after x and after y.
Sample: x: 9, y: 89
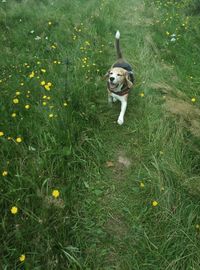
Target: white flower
x: 173, y: 35
x: 32, y: 31
x: 173, y: 39
x: 37, y: 38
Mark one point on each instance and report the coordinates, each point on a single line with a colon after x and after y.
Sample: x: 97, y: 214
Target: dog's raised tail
x: 117, y: 37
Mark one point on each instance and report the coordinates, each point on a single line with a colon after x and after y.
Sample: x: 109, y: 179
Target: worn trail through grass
x: 140, y: 205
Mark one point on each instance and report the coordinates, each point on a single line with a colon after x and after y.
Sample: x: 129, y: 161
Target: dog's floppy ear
x: 129, y: 83
x: 106, y: 75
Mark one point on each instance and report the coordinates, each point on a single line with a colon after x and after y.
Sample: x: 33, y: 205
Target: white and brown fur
x: 119, y: 81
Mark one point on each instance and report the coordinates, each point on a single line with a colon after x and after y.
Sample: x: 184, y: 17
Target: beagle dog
x: 120, y: 80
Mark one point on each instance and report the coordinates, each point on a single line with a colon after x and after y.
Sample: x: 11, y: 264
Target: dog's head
x: 118, y: 76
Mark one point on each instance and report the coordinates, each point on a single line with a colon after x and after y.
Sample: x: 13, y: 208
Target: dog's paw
x: 120, y: 121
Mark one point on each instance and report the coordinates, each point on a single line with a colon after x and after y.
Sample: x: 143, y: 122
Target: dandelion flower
x: 50, y: 115
x: 55, y: 193
x: 14, y: 210
x: 4, y: 173
x: 22, y: 258
x: 47, y: 87
x: 1, y: 133
x: 15, y: 100
x: 43, y: 83
x: 49, y: 23
x: 142, y: 94
x: 13, y: 114
x: 44, y: 103
x: 32, y: 74
x: 65, y: 104
x: 27, y: 106
x: 19, y: 140
x: 17, y: 93
x: 193, y: 99
x: 43, y: 70
x: 142, y: 185
x: 154, y: 203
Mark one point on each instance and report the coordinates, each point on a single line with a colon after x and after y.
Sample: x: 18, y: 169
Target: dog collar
x: 124, y: 90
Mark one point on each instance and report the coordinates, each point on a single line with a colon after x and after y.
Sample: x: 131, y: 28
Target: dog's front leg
x: 120, y: 120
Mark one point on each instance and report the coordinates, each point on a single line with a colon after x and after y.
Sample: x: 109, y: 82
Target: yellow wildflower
x: 44, y: 103
x: 1, y: 133
x: 43, y: 70
x: 4, y: 173
x: 13, y: 114
x: 65, y: 104
x: 49, y: 23
x: 193, y: 99
x: 142, y: 94
x: 17, y: 93
x: 15, y: 100
x: 32, y: 74
x: 55, y: 193
x: 43, y: 83
x: 22, y: 258
x: 154, y: 203
x: 14, y: 210
x: 19, y: 139
x: 142, y: 185
x: 47, y: 87
x: 50, y: 115
x: 27, y: 106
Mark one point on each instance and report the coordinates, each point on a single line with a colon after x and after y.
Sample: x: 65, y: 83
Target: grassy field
x: 77, y: 190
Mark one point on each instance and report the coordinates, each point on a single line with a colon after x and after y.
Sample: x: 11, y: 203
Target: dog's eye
x: 111, y: 73
x: 119, y: 74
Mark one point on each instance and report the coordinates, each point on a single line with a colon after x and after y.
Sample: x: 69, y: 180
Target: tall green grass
x: 104, y: 216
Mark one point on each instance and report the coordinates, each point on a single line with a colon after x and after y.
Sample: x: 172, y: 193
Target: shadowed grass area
x: 78, y: 191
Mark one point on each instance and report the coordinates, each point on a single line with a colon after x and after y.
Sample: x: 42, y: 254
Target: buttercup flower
x: 154, y: 203
x: 193, y: 99
x: 32, y: 74
x: 55, y: 193
x: 13, y: 114
x: 15, y: 100
x: 22, y: 258
x: 142, y: 185
x: 1, y: 133
x: 4, y: 173
x: 14, y: 210
x: 27, y: 106
x: 19, y: 139
x: 43, y: 83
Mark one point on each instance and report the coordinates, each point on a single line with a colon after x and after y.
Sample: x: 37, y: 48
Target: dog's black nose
x: 112, y: 79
